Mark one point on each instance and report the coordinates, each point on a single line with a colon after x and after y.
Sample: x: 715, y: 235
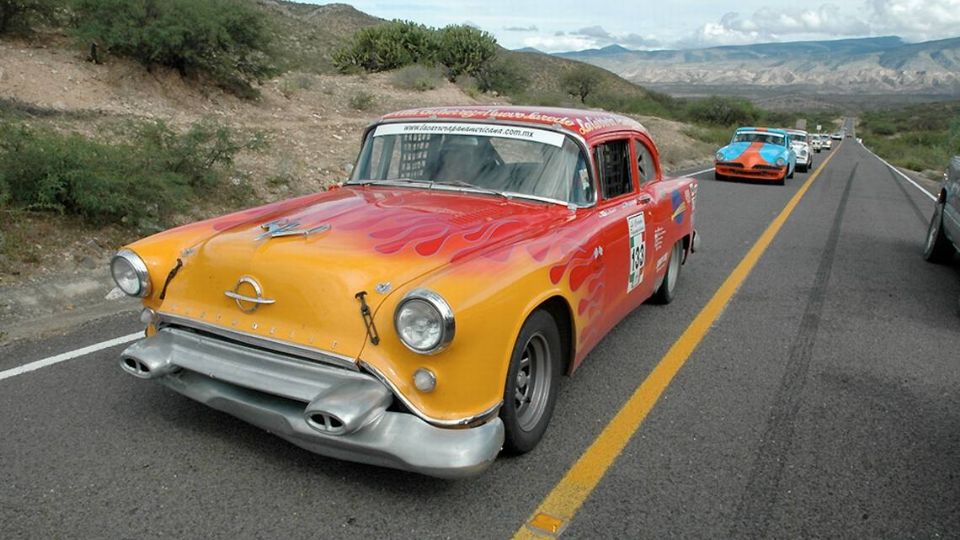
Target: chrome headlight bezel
x: 139, y: 268
x: 719, y: 156
x: 444, y: 314
x: 781, y: 162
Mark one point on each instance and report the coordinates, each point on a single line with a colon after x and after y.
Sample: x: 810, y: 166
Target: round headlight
x: 719, y: 156
x: 130, y: 273
x: 781, y: 162
x: 424, y: 322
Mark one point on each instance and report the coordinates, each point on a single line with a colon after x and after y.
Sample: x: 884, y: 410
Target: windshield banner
x: 477, y: 130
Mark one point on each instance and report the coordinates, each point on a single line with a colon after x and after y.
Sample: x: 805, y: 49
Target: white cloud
x: 596, y: 32
x: 531, y: 28
x: 559, y: 43
x: 915, y: 20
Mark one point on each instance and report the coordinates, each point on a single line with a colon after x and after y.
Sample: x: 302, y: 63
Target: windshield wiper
x: 468, y: 185
x: 388, y: 182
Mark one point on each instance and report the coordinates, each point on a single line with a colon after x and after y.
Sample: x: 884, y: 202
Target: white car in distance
x: 800, y: 142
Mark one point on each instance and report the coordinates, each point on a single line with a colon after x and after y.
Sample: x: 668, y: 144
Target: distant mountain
x: 848, y: 66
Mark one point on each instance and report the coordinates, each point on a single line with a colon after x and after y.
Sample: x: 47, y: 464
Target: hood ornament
x: 283, y: 227
x: 247, y: 303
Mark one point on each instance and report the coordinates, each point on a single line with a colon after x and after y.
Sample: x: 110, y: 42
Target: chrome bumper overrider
x: 331, y: 411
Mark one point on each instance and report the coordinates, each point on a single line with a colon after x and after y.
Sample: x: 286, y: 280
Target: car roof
x: 587, y: 124
x: 763, y: 129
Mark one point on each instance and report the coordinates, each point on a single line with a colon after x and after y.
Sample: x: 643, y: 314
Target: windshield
x: 758, y: 136
x: 506, y: 159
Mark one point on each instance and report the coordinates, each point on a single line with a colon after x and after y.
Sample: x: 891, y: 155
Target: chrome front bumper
x: 327, y: 410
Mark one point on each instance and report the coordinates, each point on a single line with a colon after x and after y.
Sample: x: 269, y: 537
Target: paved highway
x: 823, y: 400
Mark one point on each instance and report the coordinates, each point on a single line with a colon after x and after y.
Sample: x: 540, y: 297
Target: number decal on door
x: 638, y: 249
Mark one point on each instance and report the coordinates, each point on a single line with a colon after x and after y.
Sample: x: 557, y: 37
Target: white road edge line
x: 33, y: 366
x: 698, y: 173
x: 898, y: 171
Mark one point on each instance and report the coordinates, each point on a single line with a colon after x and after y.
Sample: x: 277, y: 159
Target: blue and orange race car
x: 757, y: 154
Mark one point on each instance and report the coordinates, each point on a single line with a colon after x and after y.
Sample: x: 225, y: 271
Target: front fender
x: 491, y: 296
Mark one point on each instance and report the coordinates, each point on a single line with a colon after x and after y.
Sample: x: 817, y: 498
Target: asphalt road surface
x: 823, y: 402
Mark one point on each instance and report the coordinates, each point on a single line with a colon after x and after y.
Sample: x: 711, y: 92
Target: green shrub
x: 361, y: 101
x: 387, y: 46
x: 717, y: 136
x: 225, y: 39
x: 141, y: 182
x: 417, y: 77
x: 20, y: 16
x: 502, y: 75
x: 464, y: 50
x: 289, y: 86
x: 723, y: 111
x: 580, y: 82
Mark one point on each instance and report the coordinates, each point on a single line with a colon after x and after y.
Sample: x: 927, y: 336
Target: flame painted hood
x: 371, y: 239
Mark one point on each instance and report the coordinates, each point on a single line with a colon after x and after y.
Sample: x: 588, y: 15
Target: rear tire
x: 938, y: 248
x: 533, y: 378
x: 666, y: 292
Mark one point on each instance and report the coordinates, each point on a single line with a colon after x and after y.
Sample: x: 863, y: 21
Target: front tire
x: 938, y: 248
x: 718, y: 177
x: 533, y: 378
x: 668, y: 286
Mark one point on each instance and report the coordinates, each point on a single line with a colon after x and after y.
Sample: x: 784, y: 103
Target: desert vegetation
x: 920, y: 137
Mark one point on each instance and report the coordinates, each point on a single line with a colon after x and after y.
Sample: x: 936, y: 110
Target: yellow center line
x: 561, y: 504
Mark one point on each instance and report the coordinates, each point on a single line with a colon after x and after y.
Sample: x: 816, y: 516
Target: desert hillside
x: 871, y: 66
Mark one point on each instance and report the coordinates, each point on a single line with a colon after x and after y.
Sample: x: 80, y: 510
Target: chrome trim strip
x: 251, y: 299
x: 442, y: 307
x: 270, y: 344
x: 468, y: 421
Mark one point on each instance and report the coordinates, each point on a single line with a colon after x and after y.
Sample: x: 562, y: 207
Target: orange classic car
x: 420, y: 315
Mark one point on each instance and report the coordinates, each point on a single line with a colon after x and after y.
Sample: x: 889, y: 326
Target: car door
x: 624, y: 214
x: 661, y: 207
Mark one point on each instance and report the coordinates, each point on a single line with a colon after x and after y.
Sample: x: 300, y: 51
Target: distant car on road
x: 826, y: 142
x: 943, y: 235
x: 837, y: 136
x: 757, y: 154
x: 815, y: 143
x: 800, y: 143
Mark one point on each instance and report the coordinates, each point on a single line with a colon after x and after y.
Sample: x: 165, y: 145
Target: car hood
x: 750, y: 154
x: 311, y: 259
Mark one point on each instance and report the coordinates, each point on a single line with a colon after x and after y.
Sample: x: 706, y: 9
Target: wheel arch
x: 558, y: 308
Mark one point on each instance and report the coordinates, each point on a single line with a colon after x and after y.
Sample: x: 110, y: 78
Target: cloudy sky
x: 561, y: 25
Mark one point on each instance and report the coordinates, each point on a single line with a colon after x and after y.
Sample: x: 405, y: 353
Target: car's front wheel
x: 938, y: 248
x: 532, y: 382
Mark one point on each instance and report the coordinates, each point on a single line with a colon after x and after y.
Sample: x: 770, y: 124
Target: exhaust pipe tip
x: 324, y: 422
x: 145, y: 370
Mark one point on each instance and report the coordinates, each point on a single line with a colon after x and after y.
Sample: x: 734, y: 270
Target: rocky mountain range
x: 882, y: 65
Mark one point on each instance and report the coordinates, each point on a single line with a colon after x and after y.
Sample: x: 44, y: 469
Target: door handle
x: 644, y: 199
